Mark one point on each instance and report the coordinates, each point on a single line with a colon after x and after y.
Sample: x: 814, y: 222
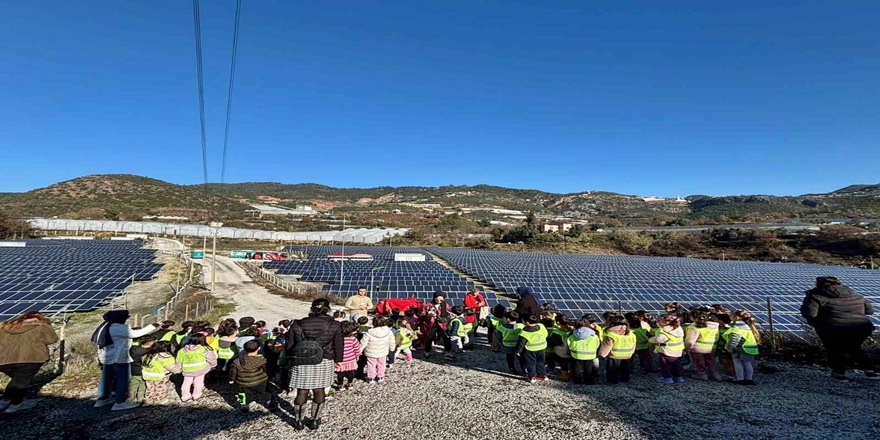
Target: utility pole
x: 216, y: 227
x: 342, y: 263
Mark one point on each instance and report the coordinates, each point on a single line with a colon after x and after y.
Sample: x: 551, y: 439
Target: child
x: 339, y: 316
x: 495, y: 319
x: 262, y: 331
x: 668, y: 340
x: 457, y: 332
x: 404, y: 340
x: 375, y: 345
x: 345, y: 370
x: 166, y: 332
x: 158, y: 366
x: 136, y: 387
x: 618, y: 348
x: 742, y: 340
x: 583, y: 345
x: 507, y: 335
x: 181, y: 336
x: 531, y: 345
x: 226, y: 348
x: 700, y: 341
x: 395, y: 315
x: 643, y: 348
x: 557, y: 342
x: 470, y: 328
x: 363, y: 326
x: 249, y: 373
x: 549, y: 356
x: 412, y: 317
x: 195, y: 360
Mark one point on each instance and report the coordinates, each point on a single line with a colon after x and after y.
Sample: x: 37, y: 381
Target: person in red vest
x: 474, y: 304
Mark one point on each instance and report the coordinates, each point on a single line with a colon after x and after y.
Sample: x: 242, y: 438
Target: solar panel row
x: 69, y: 275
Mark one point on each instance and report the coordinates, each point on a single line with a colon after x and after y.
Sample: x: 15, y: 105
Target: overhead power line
x: 198, y: 31
x: 231, y: 83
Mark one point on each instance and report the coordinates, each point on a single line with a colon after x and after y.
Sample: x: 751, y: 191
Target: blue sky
x: 669, y: 98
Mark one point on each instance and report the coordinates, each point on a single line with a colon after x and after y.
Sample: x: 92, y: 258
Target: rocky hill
x: 131, y: 197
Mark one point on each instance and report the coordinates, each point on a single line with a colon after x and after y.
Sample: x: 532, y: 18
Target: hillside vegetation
x: 129, y: 197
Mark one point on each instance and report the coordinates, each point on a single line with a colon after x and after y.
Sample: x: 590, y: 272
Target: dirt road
x: 233, y: 284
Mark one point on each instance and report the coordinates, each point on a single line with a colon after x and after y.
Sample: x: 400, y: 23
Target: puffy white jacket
x: 378, y: 342
x: 117, y: 353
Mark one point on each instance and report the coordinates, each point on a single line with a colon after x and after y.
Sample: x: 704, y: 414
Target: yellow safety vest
x: 708, y: 338
x: 674, y: 344
x: 156, y: 371
x: 562, y: 334
x: 467, y: 327
x: 509, y: 334
x: 750, y: 344
x: 600, y: 331
x: 583, y: 349
x: 535, y: 341
x: 623, y: 346
x: 226, y: 353
x: 641, y: 338
x: 406, y: 339
x: 461, y: 327
x: 191, y: 361
x: 167, y: 336
x: 213, y: 342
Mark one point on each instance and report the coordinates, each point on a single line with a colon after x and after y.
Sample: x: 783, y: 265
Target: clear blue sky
x: 669, y: 98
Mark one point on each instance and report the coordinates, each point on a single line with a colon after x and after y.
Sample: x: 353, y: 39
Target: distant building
x: 558, y: 227
x: 173, y: 218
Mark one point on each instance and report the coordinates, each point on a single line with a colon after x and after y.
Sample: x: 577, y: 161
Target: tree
x: 531, y: 220
x: 12, y: 226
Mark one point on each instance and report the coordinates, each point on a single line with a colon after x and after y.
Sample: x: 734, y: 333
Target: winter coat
x: 378, y: 342
x: 137, y: 353
x: 322, y: 329
x: 526, y: 305
x: 692, y: 335
x: 661, y: 338
x: 836, y: 307
x: 241, y: 340
x: 474, y: 302
x: 27, y: 344
x: 122, y: 334
x: 608, y: 343
x: 248, y: 371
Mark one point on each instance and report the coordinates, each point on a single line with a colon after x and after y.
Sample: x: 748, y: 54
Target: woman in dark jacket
x: 840, y: 318
x: 526, y: 305
x: 320, y: 327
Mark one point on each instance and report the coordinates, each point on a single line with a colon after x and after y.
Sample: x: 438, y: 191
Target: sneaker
x: 372, y: 382
x: 104, y: 402
x: 663, y: 380
x: 380, y: 380
x: 511, y: 371
x: 740, y: 382
x: 532, y: 380
x: 312, y: 424
x: 677, y: 380
x: 4, y: 404
x: 390, y: 366
x: 543, y: 378
x: 23, y: 406
x: 164, y: 402
x: 347, y: 386
x: 870, y: 375
x: 749, y: 382
x: 700, y: 377
x: 125, y: 406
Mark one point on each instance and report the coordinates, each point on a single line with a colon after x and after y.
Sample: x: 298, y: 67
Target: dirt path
x: 233, y: 284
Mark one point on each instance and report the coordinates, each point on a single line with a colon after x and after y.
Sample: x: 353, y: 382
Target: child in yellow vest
x: 195, y: 360
x: 700, y: 340
x: 583, y: 345
x: 668, y: 340
x: 507, y: 335
x: 404, y: 339
x: 531, y: 345
x: 742, y: 340
x: 618, y: 347
x: 157, y: 367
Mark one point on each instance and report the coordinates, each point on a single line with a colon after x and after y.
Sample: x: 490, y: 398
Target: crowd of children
x: 664, y: 345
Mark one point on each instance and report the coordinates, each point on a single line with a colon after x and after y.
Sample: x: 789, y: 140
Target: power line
x: 198, y: 31
x: 231, y: 83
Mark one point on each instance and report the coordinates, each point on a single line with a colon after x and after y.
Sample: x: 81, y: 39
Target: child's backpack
x: 308, y: 351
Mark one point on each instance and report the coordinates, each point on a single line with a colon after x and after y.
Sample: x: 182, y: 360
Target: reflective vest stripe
x: 535, y: 341
x: 641, y: 338
x: 750, y: 344
x: 583, y: 349
x: 200, y: 365
x: 708, y: 338
x: 623, y: 345
x: 509, y: 336
x: 149, y: 375
x: 156, y: 370
x: 225, y: 353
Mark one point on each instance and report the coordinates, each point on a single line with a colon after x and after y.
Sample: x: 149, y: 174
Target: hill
x: 128, y: 197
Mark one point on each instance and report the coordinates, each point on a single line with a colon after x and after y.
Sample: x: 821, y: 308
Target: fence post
x: 770, y: 319
x: 186, y: 313
x: 62, y: 337
x: 166, y: 311
x: 197, y: 310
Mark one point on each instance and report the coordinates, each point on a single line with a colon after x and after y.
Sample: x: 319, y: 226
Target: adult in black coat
x: 527, y: 305
x: 320, y: 327
x: 840, y: 318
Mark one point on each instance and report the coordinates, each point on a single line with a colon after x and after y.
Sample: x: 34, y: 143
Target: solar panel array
x: 579, y: 284
x: 392, y: 279
x: 69, y: 275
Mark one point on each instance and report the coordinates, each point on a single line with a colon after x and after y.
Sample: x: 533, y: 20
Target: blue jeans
x: 109, y: 372
x: 536, y: 363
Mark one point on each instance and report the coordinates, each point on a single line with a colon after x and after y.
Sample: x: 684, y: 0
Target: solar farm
x: 59, y: 276
x: 579, y: 284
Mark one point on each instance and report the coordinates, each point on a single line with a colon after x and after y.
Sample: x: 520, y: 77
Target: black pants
x: 511, y: 362
x: 617, y: 370
x: 347, y: 376
x: 434, y: 333
x: 535, y: 363
x: 582, y: 372
x: 844, y: 346
x: 254, y: 393
x: 21, y: 375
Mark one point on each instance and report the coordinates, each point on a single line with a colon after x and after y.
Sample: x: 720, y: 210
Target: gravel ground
x: 471, y: 399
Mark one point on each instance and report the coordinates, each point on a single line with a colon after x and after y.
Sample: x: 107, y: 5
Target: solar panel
x: 69, y: 275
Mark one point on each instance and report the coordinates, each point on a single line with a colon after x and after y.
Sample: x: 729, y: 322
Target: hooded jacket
x: 210, y: 357
x: 248, y: 371
x: 27, y: 344
x: 836, y: 307
x: 661, y: 338
x: 378, y: 342
x: 607, y: 344
x: 526, y: 305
